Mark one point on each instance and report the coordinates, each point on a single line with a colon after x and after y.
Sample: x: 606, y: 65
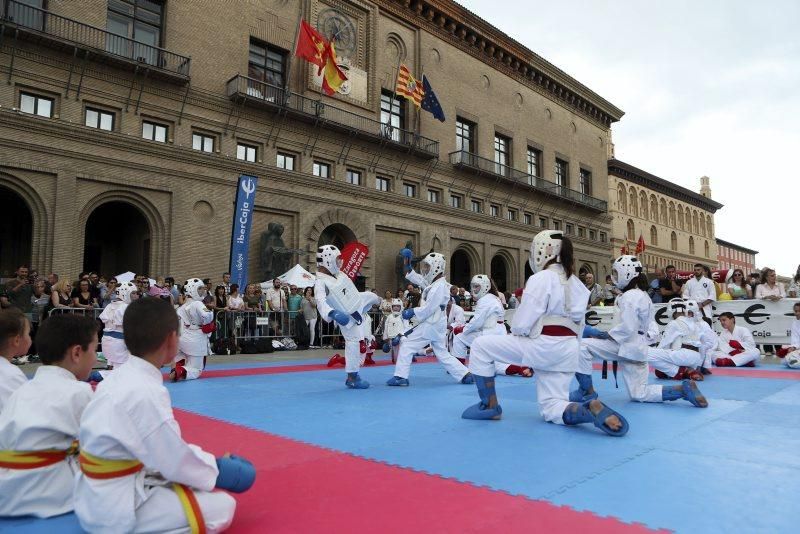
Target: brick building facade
x: 125, y: 124
x: 733, y: 256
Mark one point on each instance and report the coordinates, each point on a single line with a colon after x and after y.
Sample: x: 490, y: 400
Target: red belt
x: 556, y: 330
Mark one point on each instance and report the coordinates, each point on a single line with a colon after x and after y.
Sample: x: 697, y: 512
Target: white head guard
x: 328, y: 257
x: 546, y: 246
x: 480, y: 285
x: 693, y: 308
x: 676, y: 305
x: 195, y: 288
x: 624, y: 269
x: 124, y: 290
x: 793, y: 359
x: 432, y: 266
x: 399, y: 304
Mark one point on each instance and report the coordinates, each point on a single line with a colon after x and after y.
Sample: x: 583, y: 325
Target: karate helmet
x: 328, y: 257
x: 432, y: 266
x: 546, y: 246
x: 793, y: 359
x: 676, y: 305
x: 195, y: 288
x: 693, y: 308
x: 399, y: 304
x: 480, y: 285
x: 124, y: 290
x: 624, y: 269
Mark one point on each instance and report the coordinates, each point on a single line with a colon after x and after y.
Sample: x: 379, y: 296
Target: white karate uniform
x: 708, y: 341
x: 352, y: 332
x: 700, y: 290
x: 628, y: 345
x: 130, y: 418
x: 11, y: 378
x: 549, y: 298
x: 795, y: 342
x: 487, y: 319
x: 393, y: 326
x: 432, y: 329
x: 43, y: 413
x: 455, y: 317
x: 193, y: 345
x: 671, y: 355
x: 114, y: 349
x: 723, y: 348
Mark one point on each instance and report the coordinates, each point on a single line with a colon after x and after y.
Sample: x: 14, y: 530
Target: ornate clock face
x: 333, y: 24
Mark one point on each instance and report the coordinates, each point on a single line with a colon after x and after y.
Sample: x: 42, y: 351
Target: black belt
x: 690, y: 347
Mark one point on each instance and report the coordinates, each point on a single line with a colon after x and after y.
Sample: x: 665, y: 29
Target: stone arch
x: 464, y: 263
x: 709, y: 226
x: 662, y: 211
x: 680, y: 217
x: 332, y: 217
x: 643, y: 205
x: 706, y: 250
x: 653, y: 208
x: 622, y: 199
x: 40, y: 238
x: 506, y: 272
x: 630, y: 233
x: 158, y: 240
x: 673, y: 241
x: 654, y: 235
x: 336, y: 234
x: 633, y: 202
x: 691, y: 244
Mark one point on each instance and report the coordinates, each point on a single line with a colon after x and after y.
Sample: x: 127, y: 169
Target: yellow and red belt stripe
x: 102, y: 468
x: 35, y: 459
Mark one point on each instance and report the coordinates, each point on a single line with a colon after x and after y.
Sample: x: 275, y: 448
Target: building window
x: 433, y: 196
x: 706, y: 251
x: 581, y: 231
x: 673, y: 241
x: 502, y: 148
x: 455, y: 201
x: 542, y: 222
x: 392, y: 114
x: 630, y: 233
x: 410, y: 190
x: 353, y: 177
x: 556, y: 225
x: 21, y: 12
x: 527, y: 218
x: 266, y: 63
x: 321, y: 169
x: 203, y: 142
x: 494, y: 211
x: 593, y: 235
x: 36, y: 105
x: 465, y: 135
x: 382, y: 184
x: 534, y: 158
x: 511, y: 215
x: 285, y: 161
x: 603, y: 237
x: 586, y: 182
x: 569, y: 228
x: 476, y: 206
x: 154, y: 132
x: 562, y: 172
x: 96, y: 118
x: 140, y: 21
x: 246, y: 152
x: 653, y: 236
x: 691, y: 245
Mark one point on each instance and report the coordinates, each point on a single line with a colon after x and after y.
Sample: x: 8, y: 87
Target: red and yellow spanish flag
x: 332, y: 77
x: 409, y: 87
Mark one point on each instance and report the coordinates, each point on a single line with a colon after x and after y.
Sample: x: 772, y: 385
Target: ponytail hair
x: 640, y: 282
x: 567, y: 257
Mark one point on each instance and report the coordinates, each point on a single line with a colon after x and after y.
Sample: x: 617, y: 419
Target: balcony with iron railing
x: 34, y: 24
x: 476, y: 164
x: 329, y: 116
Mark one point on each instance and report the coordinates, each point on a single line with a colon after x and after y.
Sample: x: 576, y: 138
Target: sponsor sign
x: 353, y: 256
x: 240, y: 233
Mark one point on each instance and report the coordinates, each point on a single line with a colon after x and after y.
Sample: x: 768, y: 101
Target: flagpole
x: 394, y: 88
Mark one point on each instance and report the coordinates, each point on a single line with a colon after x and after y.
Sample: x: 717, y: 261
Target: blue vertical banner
x: 240, y: 235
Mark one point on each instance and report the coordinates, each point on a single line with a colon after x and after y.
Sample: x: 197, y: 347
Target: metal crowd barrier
x: 329, y: 332
x: 251, y: 325
x: 94, y: 313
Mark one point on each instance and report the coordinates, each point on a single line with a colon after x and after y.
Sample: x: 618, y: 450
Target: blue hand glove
x: 387, y: 347
x: 408, y: 314
x: 236, y: 474
x: 590, y: 331
x: 340, y: 317
x: 395, y: 341
x: 407, y: 269
x: 406, y: 253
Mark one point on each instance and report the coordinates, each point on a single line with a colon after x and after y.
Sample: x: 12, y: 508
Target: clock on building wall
x: 333, y: 24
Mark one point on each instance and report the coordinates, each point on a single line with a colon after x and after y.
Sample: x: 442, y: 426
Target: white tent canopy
x: 296, y: 276
x: 128, y: 276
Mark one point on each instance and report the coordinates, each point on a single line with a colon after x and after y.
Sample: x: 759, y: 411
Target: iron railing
x: 468, y: 160
x: 45, y: 23
x: 331, y: 116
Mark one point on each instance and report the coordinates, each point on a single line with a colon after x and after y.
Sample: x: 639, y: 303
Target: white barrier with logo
x: 769, y: 322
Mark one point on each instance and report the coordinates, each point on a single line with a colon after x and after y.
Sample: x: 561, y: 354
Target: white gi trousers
x: 635, y: 373
x: 115, y: 351
x: 743, y: 358
x: 193, y: 347
x: 462, y: 342
x: 162, y: 511
x: 415, y: 343
x: 353, y: 334
x: 552, y: 383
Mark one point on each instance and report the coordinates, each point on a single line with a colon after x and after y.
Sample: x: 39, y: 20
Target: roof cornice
x: 630, y: 173
x: 465, y: 30
x: 734, y: 245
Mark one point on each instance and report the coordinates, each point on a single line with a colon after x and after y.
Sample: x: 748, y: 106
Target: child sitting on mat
x: 39, y: 426
x: 137, y: 473
x: 15, y: 340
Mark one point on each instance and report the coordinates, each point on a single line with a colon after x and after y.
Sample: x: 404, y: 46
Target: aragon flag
x: 311, y: 45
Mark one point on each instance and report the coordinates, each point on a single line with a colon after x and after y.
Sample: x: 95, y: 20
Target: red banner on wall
x: 353, y: 256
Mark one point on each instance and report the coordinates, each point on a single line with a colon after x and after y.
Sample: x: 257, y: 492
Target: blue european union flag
x: 430, y: 102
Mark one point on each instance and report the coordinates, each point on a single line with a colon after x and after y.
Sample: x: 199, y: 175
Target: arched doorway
x: 117, y: 239
x: 16, y: 233
x: 460, y: 269
x: 337, y: 235
x: 499, y: 273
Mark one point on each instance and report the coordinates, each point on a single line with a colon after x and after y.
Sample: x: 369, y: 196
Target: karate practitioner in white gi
x: 792, y: 358
x: 736, y: 347
x: 431, y: 328
x: 684, y: 343
x: 628, y: 344
x: 114, y: 349
x: 545, y: 335
x: 193, y: 347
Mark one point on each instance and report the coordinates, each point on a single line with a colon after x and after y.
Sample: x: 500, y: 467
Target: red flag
x: 311, y: 45
x: 640, y: 245
x: 624, y: 250
x: 353, y: 256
